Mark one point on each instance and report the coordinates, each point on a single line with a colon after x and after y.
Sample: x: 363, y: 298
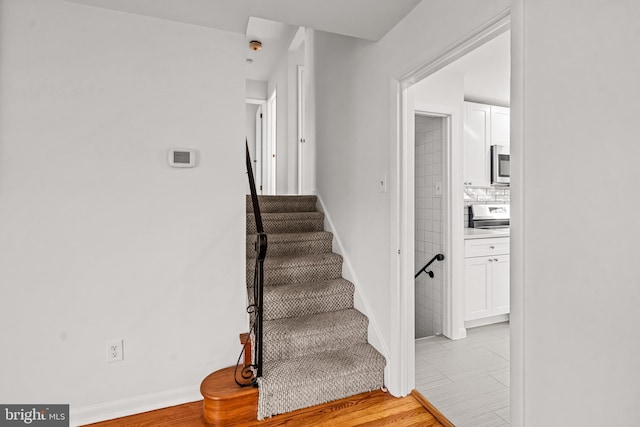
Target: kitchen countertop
x: 479, y: 233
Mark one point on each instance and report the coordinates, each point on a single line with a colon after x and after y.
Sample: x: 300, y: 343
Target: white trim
x: 518, y: 219
x: 255, y: 101
x: 490, y: 30
x: 134, y: 405
x: 402, y: 278
x: 360, y: 301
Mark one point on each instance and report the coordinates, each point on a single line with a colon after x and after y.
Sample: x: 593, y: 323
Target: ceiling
x: 365, y: 19
x: 487, y: 72
x: 275, y: 37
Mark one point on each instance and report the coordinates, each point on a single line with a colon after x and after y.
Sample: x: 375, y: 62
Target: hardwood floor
x: 371, y: 409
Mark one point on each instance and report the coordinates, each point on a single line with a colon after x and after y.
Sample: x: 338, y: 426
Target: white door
x: 269, y: 164
x: 258, y: 160
x: 301, y: 134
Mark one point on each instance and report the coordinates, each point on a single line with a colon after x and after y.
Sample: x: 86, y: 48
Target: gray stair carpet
x: 315, y: 347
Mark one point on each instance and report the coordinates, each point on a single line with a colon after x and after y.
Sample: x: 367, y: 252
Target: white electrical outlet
x: 115, y: 351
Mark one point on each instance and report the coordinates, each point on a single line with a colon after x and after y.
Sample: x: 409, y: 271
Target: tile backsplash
x: 484, y: 195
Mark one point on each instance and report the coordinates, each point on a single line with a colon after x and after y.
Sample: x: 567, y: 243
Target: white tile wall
x: 428, y: 226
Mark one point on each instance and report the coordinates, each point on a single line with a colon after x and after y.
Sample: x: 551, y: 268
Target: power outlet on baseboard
x: 115, y: 350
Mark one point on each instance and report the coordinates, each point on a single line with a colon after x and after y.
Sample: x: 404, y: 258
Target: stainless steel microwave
x: 500, y: 167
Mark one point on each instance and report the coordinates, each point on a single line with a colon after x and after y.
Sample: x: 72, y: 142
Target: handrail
x: 438, y: 257
x: 254, y: 371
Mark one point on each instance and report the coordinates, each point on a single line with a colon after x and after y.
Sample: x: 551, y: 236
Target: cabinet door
x: 500, y: 126
x: 477, y: 279
x: 500, y: 284
x: 477, y: 137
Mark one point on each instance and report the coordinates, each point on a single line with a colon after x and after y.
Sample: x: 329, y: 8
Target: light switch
x: 382, y: 184
x: 438, y: 188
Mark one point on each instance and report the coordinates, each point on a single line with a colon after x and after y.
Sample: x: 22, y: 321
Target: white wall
x: 256, y: 89
x: 99, y: 237
x: 576, y: 283
x: 355, y: 116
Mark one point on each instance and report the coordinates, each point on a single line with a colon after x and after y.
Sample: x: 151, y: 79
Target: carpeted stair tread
x: 309, y: 380
x: 284, y: 203
x: 287, y: 222
x: 289, y: 244
x: 298, y: 269
x: 315, y: 346
x: 298, y: 336
x: 301, y: 299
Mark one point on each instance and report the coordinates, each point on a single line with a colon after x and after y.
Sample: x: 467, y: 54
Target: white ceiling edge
x: 366, y: 19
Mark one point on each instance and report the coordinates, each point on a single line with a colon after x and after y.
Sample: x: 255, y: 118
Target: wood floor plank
x: 371, y: 409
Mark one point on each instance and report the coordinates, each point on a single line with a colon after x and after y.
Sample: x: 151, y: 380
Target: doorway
x: 448, y: 372
x: 430, y: 140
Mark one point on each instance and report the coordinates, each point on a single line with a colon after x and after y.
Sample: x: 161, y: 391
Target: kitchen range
x: 486, y: 252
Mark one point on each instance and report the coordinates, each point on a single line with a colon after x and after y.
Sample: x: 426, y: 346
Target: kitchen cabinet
x: 484, y: 126
x: 486, y: 277
x: 500, y: 126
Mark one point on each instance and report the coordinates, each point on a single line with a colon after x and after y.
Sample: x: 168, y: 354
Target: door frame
x: 452, y: 233
x: 260, y: 133
x: 402, y: 309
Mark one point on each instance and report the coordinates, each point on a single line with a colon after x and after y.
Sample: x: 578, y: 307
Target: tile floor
x: 468, y: 379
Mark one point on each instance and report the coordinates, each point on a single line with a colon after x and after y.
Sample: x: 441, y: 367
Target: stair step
x: 319, y: 378
x: 287, y: 222
x: 305, y: 335
x: 288, y: 244
x: 284, y: 203
x: 302, y: 299
x: 298, y: 269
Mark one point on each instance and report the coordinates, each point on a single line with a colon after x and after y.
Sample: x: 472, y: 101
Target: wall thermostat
x: 182, y: 158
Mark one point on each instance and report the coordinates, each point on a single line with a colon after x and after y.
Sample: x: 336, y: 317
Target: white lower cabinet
x: 486, y: 277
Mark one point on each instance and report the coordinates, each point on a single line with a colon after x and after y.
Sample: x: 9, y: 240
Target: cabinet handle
x: 490, y: 260
x: 495, y: 259
x: 492, y: 247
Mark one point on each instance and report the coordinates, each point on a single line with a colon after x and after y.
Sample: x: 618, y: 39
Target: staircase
x: 315, y: 345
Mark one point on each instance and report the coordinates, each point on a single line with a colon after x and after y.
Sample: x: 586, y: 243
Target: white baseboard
x: 134, y: 405
x: 486, y: 321
x: 360, y: 301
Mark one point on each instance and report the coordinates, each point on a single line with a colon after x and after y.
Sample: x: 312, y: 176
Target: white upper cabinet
x: 500, y: 126
x: 484, y: 126
x: 477, y: 140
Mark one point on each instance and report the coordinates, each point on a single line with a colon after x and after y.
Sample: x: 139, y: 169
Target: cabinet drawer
x: 483, y: 247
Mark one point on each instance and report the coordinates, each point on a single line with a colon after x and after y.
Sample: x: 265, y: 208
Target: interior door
x: 258, y: 160
x: 301, y: 129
